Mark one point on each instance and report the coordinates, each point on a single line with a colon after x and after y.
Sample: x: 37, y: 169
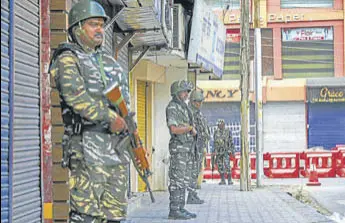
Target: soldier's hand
x: 194, y: 132
x: 118, y: 125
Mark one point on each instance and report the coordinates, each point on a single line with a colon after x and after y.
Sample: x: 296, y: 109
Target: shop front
x: 326, y: 112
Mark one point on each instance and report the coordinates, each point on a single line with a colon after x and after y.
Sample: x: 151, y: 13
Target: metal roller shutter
x: 5, y: 111
x: 141, y: 116
x: 326, y: 123
x: 284, y: 126
x: 27, y: 203
x: 123, y: 55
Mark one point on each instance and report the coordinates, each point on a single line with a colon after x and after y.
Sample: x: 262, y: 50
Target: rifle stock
x: 138, y: 152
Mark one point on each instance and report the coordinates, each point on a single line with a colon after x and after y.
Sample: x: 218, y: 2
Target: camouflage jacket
x: 222, y: 141
x: 80, y: 80
x: 200, y: 123
x: 178, y: 114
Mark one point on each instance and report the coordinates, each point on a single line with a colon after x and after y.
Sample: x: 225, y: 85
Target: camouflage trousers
x: 223, y: 163
x: 195, y: 171
x: 98, y: 193
x: 179, y: 174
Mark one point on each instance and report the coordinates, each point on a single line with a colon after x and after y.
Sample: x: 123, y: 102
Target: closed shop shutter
x: 141, y: 116
x: 26, y: 136
x: 229, y: 111
x: 308, y: 55
x: 5, y: 114
x: 108, y: 46
x: 284, y: 126
x: 123, y: 54
x: 326, y: 123
x: 306, y: 3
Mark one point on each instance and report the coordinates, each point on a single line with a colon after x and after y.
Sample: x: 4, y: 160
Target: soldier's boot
x: 182, y: 204
x: 193, y: 198
x: 229, y: 179
x: 222, y: 181
x: 175, y: 213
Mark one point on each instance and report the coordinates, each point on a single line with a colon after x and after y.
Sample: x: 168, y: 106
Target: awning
x: 146, y: 70
x: 327, y: 81
x: 144, y: 22
x: 285, y: 90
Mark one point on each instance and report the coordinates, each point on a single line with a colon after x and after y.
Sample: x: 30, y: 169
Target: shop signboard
x: 207, y: 39
x: 307, y: 34
x: 326, y: 94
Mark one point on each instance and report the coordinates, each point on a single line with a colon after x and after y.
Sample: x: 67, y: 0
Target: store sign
x: 326, y: 94
x: 285, y: 17
x: 207, y: 41
x: 305, y: 34
x: 222, y: 94
x: 233, y: 35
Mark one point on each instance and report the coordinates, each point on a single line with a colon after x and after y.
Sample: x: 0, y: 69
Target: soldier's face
x: 183, y: 95
x: 197, y: 104
x: 94, y: 30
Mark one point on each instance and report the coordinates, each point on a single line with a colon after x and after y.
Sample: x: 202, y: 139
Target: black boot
x: 222, y: 181
x: 176, y: 201
x: 190, y: 214
x: 229, y: 179
x: 193, y: 198
x: 178, y: 215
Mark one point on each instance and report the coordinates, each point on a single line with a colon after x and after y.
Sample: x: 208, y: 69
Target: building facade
x: 302, y: 47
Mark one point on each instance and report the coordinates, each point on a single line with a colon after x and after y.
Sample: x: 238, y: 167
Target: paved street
x: 330, y: 195
x: 228, y: 204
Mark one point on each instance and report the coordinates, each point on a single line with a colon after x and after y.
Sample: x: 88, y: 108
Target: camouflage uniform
x: 99, y: 170
x: 203, y: 136
x: 223, y: 146
x: 180, y: 149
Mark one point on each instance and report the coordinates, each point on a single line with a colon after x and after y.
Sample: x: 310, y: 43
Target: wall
x: 160, y: 131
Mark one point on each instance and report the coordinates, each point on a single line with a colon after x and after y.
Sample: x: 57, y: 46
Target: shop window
x: 308, y: 52
x: 306, y: 3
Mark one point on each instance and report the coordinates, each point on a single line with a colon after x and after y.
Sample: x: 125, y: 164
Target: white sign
x: 305, y: 34
x: 207, y: 39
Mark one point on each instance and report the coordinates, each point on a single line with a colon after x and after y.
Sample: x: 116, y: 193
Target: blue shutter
x: 326, y: 124
x: 5, y: 114
x: 27, y: 199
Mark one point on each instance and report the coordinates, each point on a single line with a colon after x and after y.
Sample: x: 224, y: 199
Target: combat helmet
x: 84, y: 10
x: 220, y: 121
x: 197, y: 95
x: 179, y: 86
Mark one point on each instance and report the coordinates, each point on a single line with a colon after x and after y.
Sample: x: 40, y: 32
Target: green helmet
x: 84, y: 10
x: 197, y: 95
x: 220, y: 121
x: 179, y: 86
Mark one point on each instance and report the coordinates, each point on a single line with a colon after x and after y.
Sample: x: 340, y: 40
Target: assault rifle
x: 138, y: 152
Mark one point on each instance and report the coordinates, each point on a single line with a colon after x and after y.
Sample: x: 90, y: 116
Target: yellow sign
x: 213, y: 95
x: 272, y: 17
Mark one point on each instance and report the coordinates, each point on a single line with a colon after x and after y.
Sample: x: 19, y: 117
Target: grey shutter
x: 123, y: 55
x: 27, y: 204
x: 108, y: 46
x: 5, y: 114
x: 306, y: 3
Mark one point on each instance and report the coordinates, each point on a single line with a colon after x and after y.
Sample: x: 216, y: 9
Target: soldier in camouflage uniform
x: 200, y: 123
x: 93, y: 128
x: 180, y: 123
x: 223, y: 146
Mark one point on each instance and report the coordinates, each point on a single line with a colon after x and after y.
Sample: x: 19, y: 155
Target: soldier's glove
x: 118, y: 125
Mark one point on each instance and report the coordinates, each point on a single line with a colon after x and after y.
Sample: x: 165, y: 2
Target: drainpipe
x: 164, y: 28
x: 11, y: 104
x: 45, y: 114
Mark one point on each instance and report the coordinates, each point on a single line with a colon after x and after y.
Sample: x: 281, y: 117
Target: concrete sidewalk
x: 226, y: 204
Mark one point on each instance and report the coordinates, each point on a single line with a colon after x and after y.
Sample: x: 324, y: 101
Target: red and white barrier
x: 281, y: 165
